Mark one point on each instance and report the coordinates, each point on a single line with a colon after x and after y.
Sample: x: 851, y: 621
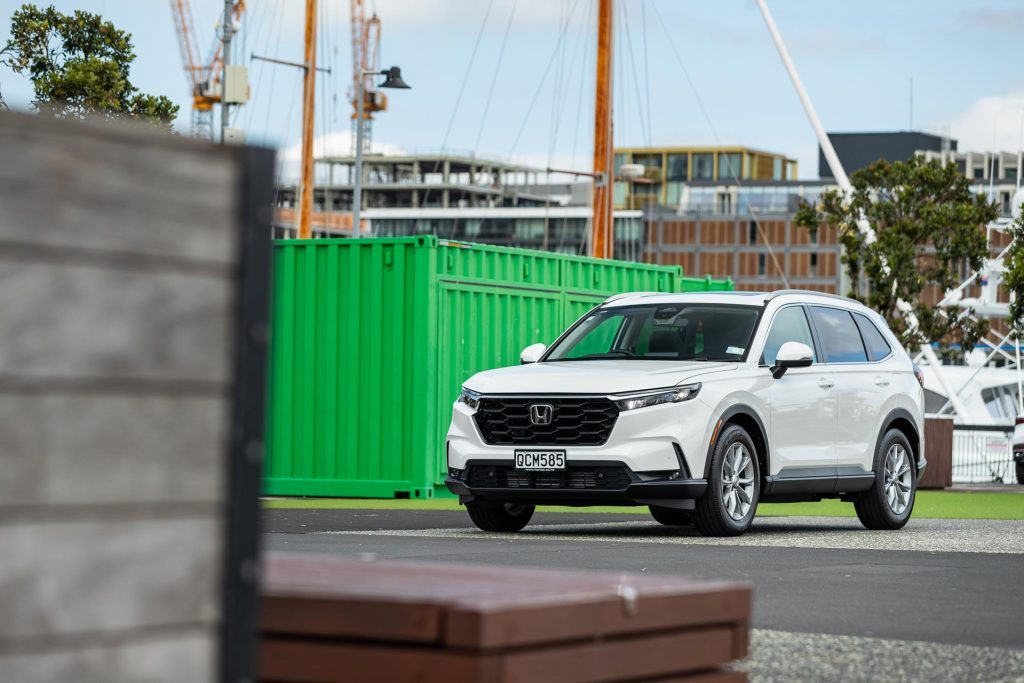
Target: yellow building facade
x: 668, y: 169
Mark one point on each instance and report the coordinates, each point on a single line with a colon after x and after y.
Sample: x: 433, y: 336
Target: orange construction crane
x: 365, y: 57
x: 204, y: 78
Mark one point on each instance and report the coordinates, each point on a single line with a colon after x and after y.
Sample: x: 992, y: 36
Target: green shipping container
x: 373, y: 338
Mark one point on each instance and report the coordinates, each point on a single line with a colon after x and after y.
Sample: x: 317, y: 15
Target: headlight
x: 653, y: 398
x: 470, y: 398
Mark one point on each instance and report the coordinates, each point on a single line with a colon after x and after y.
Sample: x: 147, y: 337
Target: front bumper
x: 633, y: 491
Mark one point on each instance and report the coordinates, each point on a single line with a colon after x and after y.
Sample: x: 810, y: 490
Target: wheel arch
x: 744, y: 416
x: 900, y: 419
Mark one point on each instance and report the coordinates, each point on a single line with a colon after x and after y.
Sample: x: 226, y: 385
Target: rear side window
x: 839, y: 335
x: 875, y: 343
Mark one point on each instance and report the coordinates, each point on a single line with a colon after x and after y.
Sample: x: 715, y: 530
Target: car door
x: 802, y: 403
x: 860, y: 387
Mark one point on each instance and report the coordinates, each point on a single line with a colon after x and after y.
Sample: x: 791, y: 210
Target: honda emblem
x: 541, y: 414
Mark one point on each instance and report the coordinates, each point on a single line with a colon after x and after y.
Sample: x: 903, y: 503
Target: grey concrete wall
x: 118, y: 262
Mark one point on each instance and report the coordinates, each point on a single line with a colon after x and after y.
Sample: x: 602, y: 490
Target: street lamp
x: 393, y: 79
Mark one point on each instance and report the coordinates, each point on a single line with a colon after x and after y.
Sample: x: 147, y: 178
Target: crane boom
x: 365, y: 57
x: 203, y: 78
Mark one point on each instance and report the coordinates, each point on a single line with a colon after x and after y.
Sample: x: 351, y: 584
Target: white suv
x: 698, y: 406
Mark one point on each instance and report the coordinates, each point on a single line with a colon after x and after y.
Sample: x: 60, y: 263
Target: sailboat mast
x: 603, y: 235
x: 308, y: 99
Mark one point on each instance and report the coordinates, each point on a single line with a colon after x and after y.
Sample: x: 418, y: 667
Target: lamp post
x: 393, y: 79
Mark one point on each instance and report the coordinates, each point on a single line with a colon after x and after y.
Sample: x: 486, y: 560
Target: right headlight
x: 657, y: 397
x: 470, y: 398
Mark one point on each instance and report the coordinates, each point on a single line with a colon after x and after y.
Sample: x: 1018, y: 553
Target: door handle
x: 881, y: 381
x: 825, y: 383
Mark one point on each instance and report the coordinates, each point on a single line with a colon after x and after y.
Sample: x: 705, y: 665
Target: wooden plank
x: 74, y: 577
x: 117, y: 190
x: 379, y: 619
x: 285, y: 661
x: 620, y: 659
x: 164, y: 658
x: 89, y: 448
x: 491, y: 607
x: 75, y: 321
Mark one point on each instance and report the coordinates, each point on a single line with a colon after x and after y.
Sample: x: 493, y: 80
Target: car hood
x: 590, y: 377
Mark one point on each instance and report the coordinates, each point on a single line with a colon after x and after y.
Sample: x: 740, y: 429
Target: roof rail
x: 624, y: 295
x: 782, y: 292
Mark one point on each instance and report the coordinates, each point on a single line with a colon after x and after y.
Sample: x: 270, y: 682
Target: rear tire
x: 1020, y: 472
x: 499, y: 517
x: 887, y: 505
x: 671, y: 516
x: 734, y: 486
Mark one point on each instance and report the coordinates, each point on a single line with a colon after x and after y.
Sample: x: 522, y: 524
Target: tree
x: 79, y: 65
x: 928, y: 226
x: 1013, y: 276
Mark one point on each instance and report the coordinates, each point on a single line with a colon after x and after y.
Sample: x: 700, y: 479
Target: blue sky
x: 856, y: 60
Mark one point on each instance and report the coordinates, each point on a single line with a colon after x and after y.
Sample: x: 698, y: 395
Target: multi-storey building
x: 669, y: 170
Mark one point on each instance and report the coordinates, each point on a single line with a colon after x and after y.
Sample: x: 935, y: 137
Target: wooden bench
x: 328, y: 619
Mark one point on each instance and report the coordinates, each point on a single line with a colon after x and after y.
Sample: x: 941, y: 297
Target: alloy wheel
x: 898, y: 481
x: 737, y: 481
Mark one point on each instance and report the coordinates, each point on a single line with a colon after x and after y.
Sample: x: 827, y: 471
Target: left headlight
x: 653, y: 398
x: 470, y: 398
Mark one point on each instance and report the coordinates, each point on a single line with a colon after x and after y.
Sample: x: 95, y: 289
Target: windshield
x: 703, y: 332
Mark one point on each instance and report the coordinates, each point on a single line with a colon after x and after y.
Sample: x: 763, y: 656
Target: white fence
x: 983, y: 453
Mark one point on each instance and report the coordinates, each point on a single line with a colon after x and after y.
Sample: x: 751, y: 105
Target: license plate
x: 543, y: 461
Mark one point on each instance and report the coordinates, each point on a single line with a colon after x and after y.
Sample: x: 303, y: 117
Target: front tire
x: 671, y: 516
x: 887, y: 505
x: 1020, y: 472
x: 734, y: 486
x: 499, y: 517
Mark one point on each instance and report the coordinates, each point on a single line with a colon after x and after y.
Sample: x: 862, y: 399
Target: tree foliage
x: 929, y: 226
x: 1013, y: 277
x: 79, y: 66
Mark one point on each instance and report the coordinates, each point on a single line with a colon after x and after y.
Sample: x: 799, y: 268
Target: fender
x: 891, y: 417
x: 730, y: 412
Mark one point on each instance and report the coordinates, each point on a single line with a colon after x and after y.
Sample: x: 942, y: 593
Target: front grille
x: 581, y: 477
x: 574, y: 422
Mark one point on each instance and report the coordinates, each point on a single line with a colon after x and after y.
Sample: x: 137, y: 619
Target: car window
x: 598, y: 339
x: 789, y: 324
x: 934, y: 401
x: 839, y: 335
x: 666, y: 332
x: 1001, y: 401
x: 875, y: 343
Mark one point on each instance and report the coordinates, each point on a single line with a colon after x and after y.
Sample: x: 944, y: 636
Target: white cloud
x: 471, y: 12
x: 991, y: 123
x: 337, y: 144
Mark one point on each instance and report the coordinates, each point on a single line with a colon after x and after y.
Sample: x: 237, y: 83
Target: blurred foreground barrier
x: 133, y: 321
x: 938, y: 443
x: 331, y: 620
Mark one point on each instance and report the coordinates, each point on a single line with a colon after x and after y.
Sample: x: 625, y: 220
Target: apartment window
x: 703, y: 166
x: 1010, y: 173
x: 677, y: 167
x: 620, y: 159
x: 979, y: 172
x: 776, y: 169
x: 760, y: 264
x: 729, y: 166
x: 814, y: 237
x: 752, y: 233
x: 814, y: 265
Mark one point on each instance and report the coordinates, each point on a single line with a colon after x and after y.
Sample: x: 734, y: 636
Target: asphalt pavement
x: 941, y: 600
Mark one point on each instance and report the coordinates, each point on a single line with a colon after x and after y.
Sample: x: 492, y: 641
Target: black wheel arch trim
x: 731, y: 412
x: 916, y: 446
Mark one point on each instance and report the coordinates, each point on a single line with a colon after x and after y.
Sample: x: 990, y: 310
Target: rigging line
x: 257, y: 32
x: 494, y: 79
x: 714, y: 134
x: 556, y: 102
x: 647, y: 69
x: 636, y: 80
x: 543, y: 78
x: 584, y: 63
x: 458, y: 100
x: 273, y: 72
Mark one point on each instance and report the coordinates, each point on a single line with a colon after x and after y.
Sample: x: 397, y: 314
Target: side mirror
x: 532, y: 353
x: 792, y: 355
